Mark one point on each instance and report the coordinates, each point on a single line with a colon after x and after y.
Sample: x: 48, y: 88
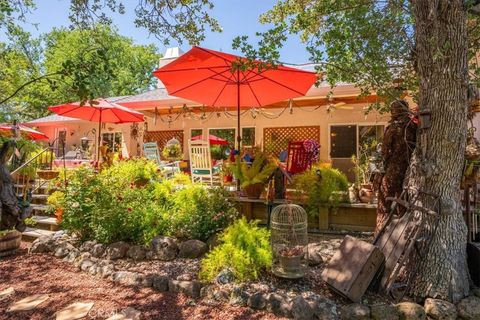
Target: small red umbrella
x: 213, y: 78
x: 213, y: 139
x: 99, y: 111
x: 29, y: 133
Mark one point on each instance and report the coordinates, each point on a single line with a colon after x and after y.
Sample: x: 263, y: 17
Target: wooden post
x: 323, y: 220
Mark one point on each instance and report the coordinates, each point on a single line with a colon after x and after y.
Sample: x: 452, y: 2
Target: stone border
x: 307, y: 305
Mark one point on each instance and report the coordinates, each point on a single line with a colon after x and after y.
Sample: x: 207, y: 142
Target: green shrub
x: 322, y: 185
x: 245, y: 250
x: 110, y: 207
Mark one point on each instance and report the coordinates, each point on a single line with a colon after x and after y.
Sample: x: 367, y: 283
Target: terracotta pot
x: 254, y: 191
x: 365, y: 194
x: 10, y: 242
x: 47, y: 174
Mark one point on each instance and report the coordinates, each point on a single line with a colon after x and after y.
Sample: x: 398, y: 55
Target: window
x: 343, y: 141
x: 196, y: 132
x: 248, y: 137
x: 346, y: 140
x: 218, y: 151
x: 113, y: 140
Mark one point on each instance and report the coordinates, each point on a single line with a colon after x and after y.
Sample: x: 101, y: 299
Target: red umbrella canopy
x: 100, y: 110
x: 213, y: 139
x: 29, y: 133
x: 208, y: 77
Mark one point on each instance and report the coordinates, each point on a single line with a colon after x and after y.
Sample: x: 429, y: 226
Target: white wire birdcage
x: 289, y: 240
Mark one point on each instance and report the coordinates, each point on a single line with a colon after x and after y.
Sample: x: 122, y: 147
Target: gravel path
x: 42, y: 274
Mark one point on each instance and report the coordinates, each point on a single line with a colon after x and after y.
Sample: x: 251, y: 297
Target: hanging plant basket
x: 47, y: 174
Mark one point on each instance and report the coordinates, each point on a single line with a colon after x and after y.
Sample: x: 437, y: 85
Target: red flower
x: 129, y: 209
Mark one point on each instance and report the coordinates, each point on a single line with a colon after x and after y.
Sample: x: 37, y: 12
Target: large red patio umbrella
x: 212, y: 139
x: 210, y: 77
x: 99, y: 111
x: 27, y: 132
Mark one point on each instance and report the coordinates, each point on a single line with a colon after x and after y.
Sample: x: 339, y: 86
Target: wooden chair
x: 201, y: 163
x: 298, y: 159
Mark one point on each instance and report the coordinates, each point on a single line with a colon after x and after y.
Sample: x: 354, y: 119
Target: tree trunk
x: 437, y: 163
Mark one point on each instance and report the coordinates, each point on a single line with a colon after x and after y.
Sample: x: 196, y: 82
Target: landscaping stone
x: 207, y: 291
x: 469, y: 308
x: 190, y: 288
x: 410, y: 311
x: 28, y: 303
x: 74, y: 311
x: 440, y: 310
x: 86, y: 264
x: 160, y: 283
x: 225, y: 276
x: 163, y: 248
x: 137, y: 252
x: 192, y: 249
x: 325, y: 309
x: 72, y: 255
x: 117, y: 250
x: 98, y: 250
x: 128, y: 278
x: 314, y: 251
x: 301, y: 309
x: 257, y: 301
x: 44, y: 244
x: 212, y: 242
x: 106, y: 270
x: 279, y: 305
x: 383, y: 311
x: 355, y: 311
x: 185, y: 277
x: 220, y: 294
x: 239, y: 296
x: 87, y: 246
x: 6, y: 293
x: 63, y: 250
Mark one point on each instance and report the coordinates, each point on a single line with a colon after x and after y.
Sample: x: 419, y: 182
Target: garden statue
x: 398, y: 144
x: 12, y: 215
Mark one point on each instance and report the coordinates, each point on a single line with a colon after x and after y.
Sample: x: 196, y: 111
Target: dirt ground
x: 32, y: 274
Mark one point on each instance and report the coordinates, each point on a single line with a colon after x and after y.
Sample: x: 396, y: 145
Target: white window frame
x: 114, y: 133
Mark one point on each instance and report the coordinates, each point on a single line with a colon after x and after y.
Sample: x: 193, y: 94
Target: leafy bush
x: 322, y: 185
x: 258, y: 172
x: 110, y: 207
x: 245, y: 250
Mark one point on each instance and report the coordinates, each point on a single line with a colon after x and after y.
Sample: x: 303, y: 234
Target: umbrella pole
x: 99, y: 139
x: 239, y: 134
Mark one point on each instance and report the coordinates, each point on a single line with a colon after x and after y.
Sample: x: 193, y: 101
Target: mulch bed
x: 42, y: 274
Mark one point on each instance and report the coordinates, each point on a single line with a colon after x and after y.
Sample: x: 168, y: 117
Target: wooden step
x: 33, y: 233
x: 39, y: 207
x: 45, y: 220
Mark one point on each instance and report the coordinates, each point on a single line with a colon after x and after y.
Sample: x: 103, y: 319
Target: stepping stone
x: 28, y: 303
x: 74, y: 311
x: 127, y: 314
x: 7, y: 292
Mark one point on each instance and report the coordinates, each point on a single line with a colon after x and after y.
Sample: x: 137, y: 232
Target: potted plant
x: 9, y: 242
x: 172, y: 152
x: 253, y: 176
x: 321, y: 186
x: 363, y: 171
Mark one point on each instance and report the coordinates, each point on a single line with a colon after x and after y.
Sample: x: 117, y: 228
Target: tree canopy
x: 65, y: 64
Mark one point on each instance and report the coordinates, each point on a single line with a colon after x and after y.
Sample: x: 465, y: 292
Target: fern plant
x: 259, y: 171
x: 245, y: 250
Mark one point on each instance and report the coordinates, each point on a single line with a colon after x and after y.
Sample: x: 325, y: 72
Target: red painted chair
x: 298, y: 158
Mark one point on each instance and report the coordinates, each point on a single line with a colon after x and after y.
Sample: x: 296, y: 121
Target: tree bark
x: 437, y: 163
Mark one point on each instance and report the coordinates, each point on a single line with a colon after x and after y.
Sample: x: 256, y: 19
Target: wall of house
x: 307, y: 116
x: 78, y: 129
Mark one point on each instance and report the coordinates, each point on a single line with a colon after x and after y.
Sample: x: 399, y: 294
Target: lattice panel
x: 275, y: 140
x: 161, y: 137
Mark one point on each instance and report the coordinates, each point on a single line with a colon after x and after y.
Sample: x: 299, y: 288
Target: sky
x: 237, y: 17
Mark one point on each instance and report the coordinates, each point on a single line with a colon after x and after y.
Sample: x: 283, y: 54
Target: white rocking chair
x: 201, y: 163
